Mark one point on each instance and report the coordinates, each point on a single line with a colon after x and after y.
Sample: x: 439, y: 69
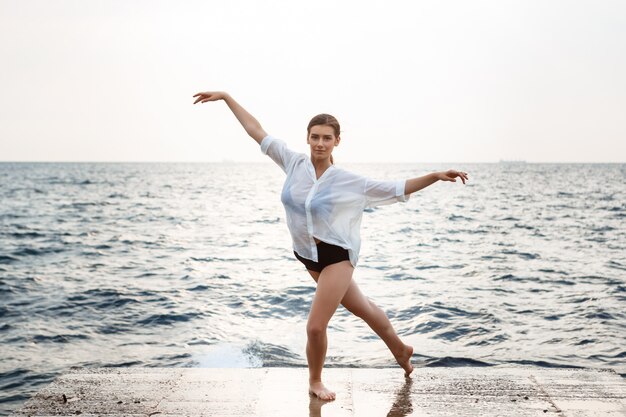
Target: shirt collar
x: 312, y: 170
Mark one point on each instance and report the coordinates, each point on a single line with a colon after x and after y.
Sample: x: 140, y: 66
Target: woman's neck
x: 320, y: 165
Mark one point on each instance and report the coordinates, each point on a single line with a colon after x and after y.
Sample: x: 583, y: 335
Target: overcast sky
x: 410, y: 81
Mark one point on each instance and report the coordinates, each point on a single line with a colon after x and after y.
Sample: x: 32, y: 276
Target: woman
x: 324, y: 206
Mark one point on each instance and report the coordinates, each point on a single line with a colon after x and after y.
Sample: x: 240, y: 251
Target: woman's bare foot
x: 318, y: 389
x: 404, y: 360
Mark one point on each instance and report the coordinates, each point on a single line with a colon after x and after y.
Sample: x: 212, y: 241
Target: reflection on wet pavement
x: 401, y: 406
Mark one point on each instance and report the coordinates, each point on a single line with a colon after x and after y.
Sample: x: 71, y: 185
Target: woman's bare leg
x: 332, y: 284
x: 375, y: 317
x: 359, y: 305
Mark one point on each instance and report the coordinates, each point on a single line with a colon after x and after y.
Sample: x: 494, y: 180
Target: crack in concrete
x: 156, y: 407
x: 547, y: 396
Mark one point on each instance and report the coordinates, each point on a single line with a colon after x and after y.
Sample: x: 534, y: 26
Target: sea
x: 191, y: 265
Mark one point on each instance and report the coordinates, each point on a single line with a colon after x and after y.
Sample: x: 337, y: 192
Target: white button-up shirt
x: 329, y: 208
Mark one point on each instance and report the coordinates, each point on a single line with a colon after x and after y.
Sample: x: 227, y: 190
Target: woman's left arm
x: 415, y: 184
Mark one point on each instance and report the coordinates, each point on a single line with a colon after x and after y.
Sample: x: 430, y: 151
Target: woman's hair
x: 325, y: 120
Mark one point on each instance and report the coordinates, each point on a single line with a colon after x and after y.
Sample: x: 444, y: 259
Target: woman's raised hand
x: 249, y: 123
x: 209, y: 96
x: 451, y: 174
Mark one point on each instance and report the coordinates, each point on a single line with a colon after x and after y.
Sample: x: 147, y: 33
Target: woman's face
x: 322, y: 141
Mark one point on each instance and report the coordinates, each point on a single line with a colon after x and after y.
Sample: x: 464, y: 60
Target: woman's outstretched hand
x: 249, y: 123
x: 451, y: 174
x: 209, y: 96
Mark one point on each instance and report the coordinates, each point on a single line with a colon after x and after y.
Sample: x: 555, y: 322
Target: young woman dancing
x: 324, y: 205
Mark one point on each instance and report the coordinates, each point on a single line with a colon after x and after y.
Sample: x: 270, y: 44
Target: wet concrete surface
x: 459, y: 391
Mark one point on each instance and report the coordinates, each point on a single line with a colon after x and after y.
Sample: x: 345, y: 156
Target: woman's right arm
x: 249, y: 123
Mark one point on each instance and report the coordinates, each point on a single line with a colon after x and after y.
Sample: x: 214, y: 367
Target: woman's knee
x: 315, y: 330
x: 363, y: 309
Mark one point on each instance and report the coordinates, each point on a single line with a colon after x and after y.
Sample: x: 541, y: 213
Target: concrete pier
x: 463, y: 391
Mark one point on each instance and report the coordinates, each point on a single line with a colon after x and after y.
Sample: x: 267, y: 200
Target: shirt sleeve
x: 380, y: 193
x: 278, y: 151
